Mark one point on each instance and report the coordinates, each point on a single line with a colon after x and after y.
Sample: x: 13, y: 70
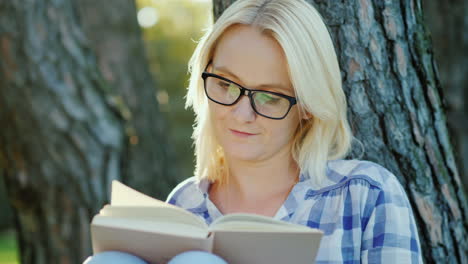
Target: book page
x: 263, y: 240
x: 153, y: 247
x: 266, y: 247
x: 122, y: 195
x: 156, y: 214
x: 149, y: 225
x: 246, y: 222
x: 146, y: 227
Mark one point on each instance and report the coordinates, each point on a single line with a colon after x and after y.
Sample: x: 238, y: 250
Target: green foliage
x: 8, y: 248
x: 169, y: 45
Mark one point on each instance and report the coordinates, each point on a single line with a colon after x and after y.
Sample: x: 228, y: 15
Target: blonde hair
x: 315, y: 76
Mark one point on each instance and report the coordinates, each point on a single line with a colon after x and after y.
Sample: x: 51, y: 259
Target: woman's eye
x: 224, y: 84
x: 264, y: 98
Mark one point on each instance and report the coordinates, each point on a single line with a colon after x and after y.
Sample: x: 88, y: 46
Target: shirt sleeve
x: 181, y: 192
x: 390, y: 235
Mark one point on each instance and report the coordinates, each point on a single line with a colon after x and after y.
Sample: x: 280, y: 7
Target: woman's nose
x: 243, y: 110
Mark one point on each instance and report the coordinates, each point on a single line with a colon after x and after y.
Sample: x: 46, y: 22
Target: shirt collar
x: 302, y: 190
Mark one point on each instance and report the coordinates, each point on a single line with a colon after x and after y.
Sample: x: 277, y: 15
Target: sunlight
x: 147, y: 17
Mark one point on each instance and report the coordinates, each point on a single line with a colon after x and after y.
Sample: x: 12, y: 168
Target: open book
x: 157, y: 231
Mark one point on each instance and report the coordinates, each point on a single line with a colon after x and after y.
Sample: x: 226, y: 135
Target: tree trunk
x: 66, y: 131
x: 116, y: 39
x: 447, y: 21
x: 396, y: 110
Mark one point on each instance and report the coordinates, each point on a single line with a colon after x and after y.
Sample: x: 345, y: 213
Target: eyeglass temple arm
x: 208, y: 64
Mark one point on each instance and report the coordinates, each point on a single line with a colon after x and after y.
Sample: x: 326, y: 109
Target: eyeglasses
x: 265, y: 103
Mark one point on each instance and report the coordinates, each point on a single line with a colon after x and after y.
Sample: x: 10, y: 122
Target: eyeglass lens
x: 264, y: 103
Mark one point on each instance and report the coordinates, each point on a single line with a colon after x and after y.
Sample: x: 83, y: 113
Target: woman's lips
x: 241, y: 134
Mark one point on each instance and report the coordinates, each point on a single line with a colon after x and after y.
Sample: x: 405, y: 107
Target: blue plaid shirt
x: 361, y: 208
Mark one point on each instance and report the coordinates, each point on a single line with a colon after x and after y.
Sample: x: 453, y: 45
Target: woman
x: 271, y: 130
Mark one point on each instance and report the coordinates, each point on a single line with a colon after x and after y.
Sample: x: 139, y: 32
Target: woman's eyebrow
x: 227, y: 71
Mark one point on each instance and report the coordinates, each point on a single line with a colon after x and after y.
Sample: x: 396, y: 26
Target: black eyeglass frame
x: 250, y: 92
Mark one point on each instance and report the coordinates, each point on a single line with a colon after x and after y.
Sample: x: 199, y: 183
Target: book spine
x: 210, y: 241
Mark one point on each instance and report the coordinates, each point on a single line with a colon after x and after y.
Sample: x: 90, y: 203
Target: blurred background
x: 170, y: 31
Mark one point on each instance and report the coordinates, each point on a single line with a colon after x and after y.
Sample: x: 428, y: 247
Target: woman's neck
x: 254, y: 181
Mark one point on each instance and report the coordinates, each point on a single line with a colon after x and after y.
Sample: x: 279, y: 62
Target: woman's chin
x: 243, y: 154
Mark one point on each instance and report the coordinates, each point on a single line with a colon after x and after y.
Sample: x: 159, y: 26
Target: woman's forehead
x: 252, y: 57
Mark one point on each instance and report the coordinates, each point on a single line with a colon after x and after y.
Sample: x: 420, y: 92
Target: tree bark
x: 396, y: 111
x: 116, y: 39
x: 447, y: 21
x: 66, y: 131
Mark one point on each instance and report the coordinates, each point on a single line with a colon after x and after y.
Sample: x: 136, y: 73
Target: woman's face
x: 255, y: 61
